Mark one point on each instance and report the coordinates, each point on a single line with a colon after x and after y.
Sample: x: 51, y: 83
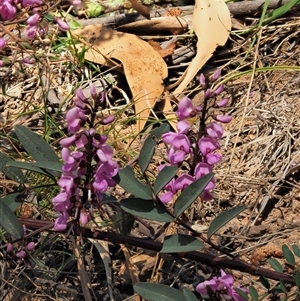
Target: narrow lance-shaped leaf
x: 158, y: 292
x: 288, y: 255
x: 164, y: 177
x: 189, y: 195
x: 253, y: 293
x: 127, y: 180
x: 149, y: 145
x: 181, y: 243
x: 146, y: 209
x: 14, y: 174
x: 35, y: 145
x: 223, y: 218
x: 29, y: 166
x: 9, y: 221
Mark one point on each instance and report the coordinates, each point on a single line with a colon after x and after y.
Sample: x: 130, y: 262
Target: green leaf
x: 164, y: 177
x: 147, y: 209
x: 14, y: 174
x: 149, y: 145
x: 296, y: 250
x: 275, y: 264
x: 10, y: 201
x: 288, y: 255
x: 54, y: 165
x: 181, y: 243
x: 297, y: 277
x: 253, y: 293
x: 127, y: 180
x: 35, y: 145
x: 282, y: 286
x: 241, y: 293
x: 157, y: 292
x: 125, y: 221
x: 29, y: 166
x: 265, y: 282
x: 189, y: 195
x: 189, y: 295
x: 10, y: 222
x: 223, y: 218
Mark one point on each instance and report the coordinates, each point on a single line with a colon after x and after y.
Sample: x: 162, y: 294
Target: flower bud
x: 83, y: 218
x: 2, y: 43
x: 222, y: 103
x: 216, y: 75
x: 9, y: 248
x: 63, y: 26
x: 108, y: 119
x: 202, y: 80
x: 219, y: 90
x: 21, y: 254
x: 208, y: 94
x: 33, y: 20
x: 30, y: 246
x: 223, y: 118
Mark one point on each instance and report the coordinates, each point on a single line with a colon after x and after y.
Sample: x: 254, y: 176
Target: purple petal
x: 166, y: 197
x: 222, y: 103
x: 207, y: 145
x: 185, y: 107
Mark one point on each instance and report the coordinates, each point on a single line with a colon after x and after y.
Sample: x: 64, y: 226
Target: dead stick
x: 150, y: 244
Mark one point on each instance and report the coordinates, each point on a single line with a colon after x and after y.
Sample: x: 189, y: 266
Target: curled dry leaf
x: 212, y: 25
x: 143, y: 66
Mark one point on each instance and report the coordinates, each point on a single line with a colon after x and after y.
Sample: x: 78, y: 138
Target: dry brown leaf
x: 161, y: 25
x: 143, y: 66
x: 211, y: 24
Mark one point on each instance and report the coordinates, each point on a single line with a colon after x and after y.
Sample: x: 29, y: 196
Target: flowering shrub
x: 88, y: 163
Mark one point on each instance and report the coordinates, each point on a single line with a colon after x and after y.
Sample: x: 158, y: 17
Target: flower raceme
x: 88, y: 166
x: 205, y: 151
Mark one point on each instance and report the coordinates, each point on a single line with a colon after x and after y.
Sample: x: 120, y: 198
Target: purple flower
x: 170, y: 190
x: 104, y: 174
x: 7, y: 11
x: 222, y: 285
x: 183, y: 181
x: 107, y: 120
x: 213, y: 159
x: 214, y: 130
x: 185, y: 108
x: 180, y: 147
x: 75, y: 119
x: 60, y: 223
x: 207, y: 145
